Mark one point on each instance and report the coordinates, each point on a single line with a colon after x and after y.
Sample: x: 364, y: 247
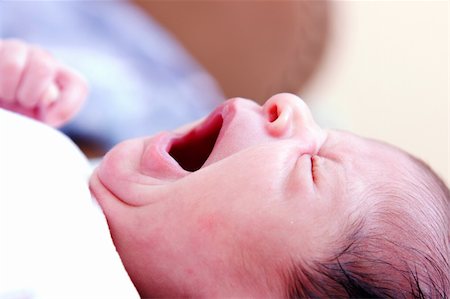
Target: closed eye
x: 314, y: 168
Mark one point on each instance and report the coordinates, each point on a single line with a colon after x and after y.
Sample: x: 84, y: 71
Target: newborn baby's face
x: 228, y: 207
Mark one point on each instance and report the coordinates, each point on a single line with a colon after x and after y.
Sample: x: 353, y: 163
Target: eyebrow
x: 341, y: 143
x: 329, y: 150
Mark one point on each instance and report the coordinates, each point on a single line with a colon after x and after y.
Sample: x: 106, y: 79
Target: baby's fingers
x: 71, y: 93
x: 38, y: 75
x: 13, y: 58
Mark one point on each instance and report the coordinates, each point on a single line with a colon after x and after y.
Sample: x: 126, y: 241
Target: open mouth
x: 193, y: 149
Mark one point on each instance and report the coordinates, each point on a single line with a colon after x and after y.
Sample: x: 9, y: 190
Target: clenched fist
x: 33, y: 83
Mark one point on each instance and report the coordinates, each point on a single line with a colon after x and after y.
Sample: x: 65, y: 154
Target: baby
x: 262, y: 202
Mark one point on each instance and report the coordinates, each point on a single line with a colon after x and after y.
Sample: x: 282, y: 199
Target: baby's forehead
x: 384, y: 174
x: 371, y: 164
x: 362, y: 152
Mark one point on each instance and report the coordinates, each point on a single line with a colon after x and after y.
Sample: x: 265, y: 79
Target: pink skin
x: 33, y: 83
x: 265, y: 187
x: 273, y: 192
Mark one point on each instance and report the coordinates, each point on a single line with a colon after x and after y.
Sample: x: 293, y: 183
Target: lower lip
x: 157, y: 162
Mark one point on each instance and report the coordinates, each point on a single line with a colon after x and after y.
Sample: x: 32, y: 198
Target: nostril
x: 273, y: 113
x: 279, y: 118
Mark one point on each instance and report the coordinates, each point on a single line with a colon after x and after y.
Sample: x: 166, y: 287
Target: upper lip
x: 192, y: 149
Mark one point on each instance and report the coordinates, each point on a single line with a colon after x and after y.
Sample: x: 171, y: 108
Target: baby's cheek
x: 208, y: 224
x: 213, y: 239
x: 209, y: 231
x: 217, y: 231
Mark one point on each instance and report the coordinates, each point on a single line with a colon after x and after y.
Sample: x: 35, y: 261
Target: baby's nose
x: 289, y: 117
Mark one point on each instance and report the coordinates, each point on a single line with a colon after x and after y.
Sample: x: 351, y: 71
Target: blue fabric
x: 141, y: 80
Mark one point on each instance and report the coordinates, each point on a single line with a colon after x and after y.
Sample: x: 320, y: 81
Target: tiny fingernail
x: 51, y: 94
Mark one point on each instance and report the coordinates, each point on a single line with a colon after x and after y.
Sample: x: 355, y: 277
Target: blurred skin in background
x: 254, y: 49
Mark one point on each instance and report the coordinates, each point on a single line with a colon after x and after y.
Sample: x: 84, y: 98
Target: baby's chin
x: 134, y: 167
x: 120, y: 172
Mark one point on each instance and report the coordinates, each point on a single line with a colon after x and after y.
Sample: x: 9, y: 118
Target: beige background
x: 386, y: 76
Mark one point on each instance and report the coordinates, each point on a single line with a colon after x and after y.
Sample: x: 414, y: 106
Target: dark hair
x: 412, y: 262
x: 356, y: 273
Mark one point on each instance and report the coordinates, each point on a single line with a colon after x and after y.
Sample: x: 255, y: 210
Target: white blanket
x: 54, y: 240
